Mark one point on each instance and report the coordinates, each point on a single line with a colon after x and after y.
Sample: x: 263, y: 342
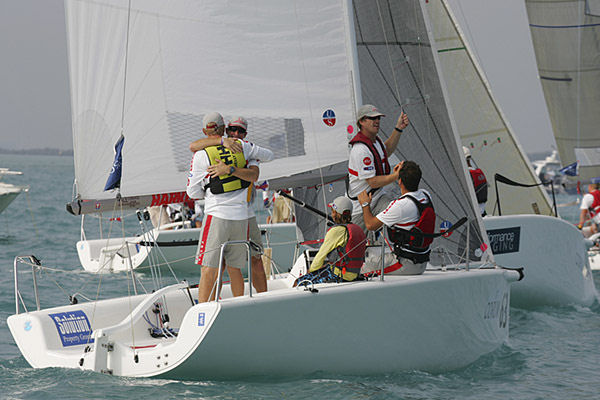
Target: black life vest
x: 480, y: 184
x: 409, y: 243
x: 351, y: 257
x: 382, y: 166
x: 225, y: 183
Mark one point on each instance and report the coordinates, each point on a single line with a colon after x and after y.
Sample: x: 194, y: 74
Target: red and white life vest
x: 382, y: 166
x: 351, y: 257
x: 480, y: 184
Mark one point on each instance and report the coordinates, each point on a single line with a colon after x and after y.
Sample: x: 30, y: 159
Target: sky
x: 34, y: 85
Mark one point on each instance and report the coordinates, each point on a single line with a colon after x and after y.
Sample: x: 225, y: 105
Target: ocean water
x: 552, y: 353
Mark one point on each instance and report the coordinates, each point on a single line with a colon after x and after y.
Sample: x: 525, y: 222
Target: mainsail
x: 149, y: 70
x: 566, y: 39
x: 399, y: 69
x: 480, y: 122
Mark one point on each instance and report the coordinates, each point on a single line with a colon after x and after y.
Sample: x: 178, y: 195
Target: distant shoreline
x: 38, y: 152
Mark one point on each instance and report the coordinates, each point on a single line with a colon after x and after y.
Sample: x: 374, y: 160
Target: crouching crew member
x: 405, y: 218
x: 342, y: 253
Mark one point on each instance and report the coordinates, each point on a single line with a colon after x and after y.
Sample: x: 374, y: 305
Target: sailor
x: 405, y: 218
x: 224, y: 179
x: 368, y: 165
x: 342, y: 253
x: 590, y: 209
x: 237, y: 129
x: 479, y: 182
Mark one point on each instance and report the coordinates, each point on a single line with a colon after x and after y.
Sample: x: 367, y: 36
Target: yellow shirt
x: 335, y: 237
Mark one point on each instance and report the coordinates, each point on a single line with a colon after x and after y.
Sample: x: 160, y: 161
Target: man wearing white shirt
x: 237, y: 129
x: 413, y: 208
x: 368, y: 165
x: 590, y: 209
x: 224, y: 179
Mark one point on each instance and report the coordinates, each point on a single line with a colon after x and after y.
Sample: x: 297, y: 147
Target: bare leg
x: 259, y: 278
x: 207, y: 282
x: 237, y: 281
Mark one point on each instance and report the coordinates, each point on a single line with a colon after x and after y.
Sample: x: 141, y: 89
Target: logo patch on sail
x: 329, y: 117
x: 73, y: 328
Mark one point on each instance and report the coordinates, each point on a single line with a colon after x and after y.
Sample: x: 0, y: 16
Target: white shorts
x: 216, y: 231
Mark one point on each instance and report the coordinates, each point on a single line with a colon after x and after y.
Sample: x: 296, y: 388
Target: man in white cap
x: 223, y: 178
x: 368, y: 166
x: 236, y: 130
x: 479, y: 182
x: 342, y: 253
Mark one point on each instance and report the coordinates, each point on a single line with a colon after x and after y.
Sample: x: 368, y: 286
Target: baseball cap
x: 368, y: 110
x: 341, y: 204
x: 212, y: 121
x: 239, y: 121
x: 466, y: 152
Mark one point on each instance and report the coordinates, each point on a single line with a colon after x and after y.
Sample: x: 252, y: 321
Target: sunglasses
x: 236, y: 129
x: 374, y: 118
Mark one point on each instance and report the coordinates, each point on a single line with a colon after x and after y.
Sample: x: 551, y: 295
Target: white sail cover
x: 399, y: 70
x: 566, y: 39
x: 155, y: 68
x: 480, y: 123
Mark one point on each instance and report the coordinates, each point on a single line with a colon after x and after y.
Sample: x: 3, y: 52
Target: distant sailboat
x: 566, y: 40
x: 551, y: 250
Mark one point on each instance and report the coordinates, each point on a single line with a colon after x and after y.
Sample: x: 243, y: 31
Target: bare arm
x: 230, y: 143
x: 582, y: 218
x: 378, y: 181
x: 249, y: 174
x: 371, y: 221
x: 392, y: 141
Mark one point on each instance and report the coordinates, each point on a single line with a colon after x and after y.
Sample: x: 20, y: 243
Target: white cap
x: 341, y: 204
x: 467, y: 152
x: 211, y: 122
x: 238, y: 121
x: 368, y: 110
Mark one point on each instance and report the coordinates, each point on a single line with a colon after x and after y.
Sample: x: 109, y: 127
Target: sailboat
x: 297, y: 70
x: 521, y: 222
x: 565, y: 38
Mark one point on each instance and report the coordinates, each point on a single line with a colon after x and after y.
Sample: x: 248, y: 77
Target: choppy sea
x: 552, y: 353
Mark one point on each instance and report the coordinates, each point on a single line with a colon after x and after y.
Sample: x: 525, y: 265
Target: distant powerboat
x: 548, y: 170
x: 9, y: 192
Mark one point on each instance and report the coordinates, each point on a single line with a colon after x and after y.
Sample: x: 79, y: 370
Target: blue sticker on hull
x: 201, y: 319
x: 73, y: 328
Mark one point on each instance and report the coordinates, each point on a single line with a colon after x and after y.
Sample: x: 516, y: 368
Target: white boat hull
x: 437, y: 321
x: 8, y: 193
x: 553, y: 255
x: 176, y: 248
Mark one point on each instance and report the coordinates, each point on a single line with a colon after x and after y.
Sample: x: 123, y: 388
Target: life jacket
x: 409, y: 243
x: 225, y: 183
x: 382, y: 166
x: 351, y: 257
x: 595, y: 207
x: 480, y: 183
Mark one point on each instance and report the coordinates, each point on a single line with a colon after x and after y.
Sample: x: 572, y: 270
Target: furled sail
x: 480, y: 122
x: 566, y: 39
x: 149, y: 70
x: 399, y: 69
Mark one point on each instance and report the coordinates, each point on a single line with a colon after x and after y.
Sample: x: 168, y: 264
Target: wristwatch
x: 365, y: 204
x: 231, y: 170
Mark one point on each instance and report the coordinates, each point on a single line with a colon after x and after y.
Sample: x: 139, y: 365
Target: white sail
x: 566, y: 39
x: 155, y: 69
x: 480, y: 122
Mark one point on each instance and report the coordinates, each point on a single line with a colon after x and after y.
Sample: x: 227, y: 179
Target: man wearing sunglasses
x: 368, y: 166
x: 236, y: 131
